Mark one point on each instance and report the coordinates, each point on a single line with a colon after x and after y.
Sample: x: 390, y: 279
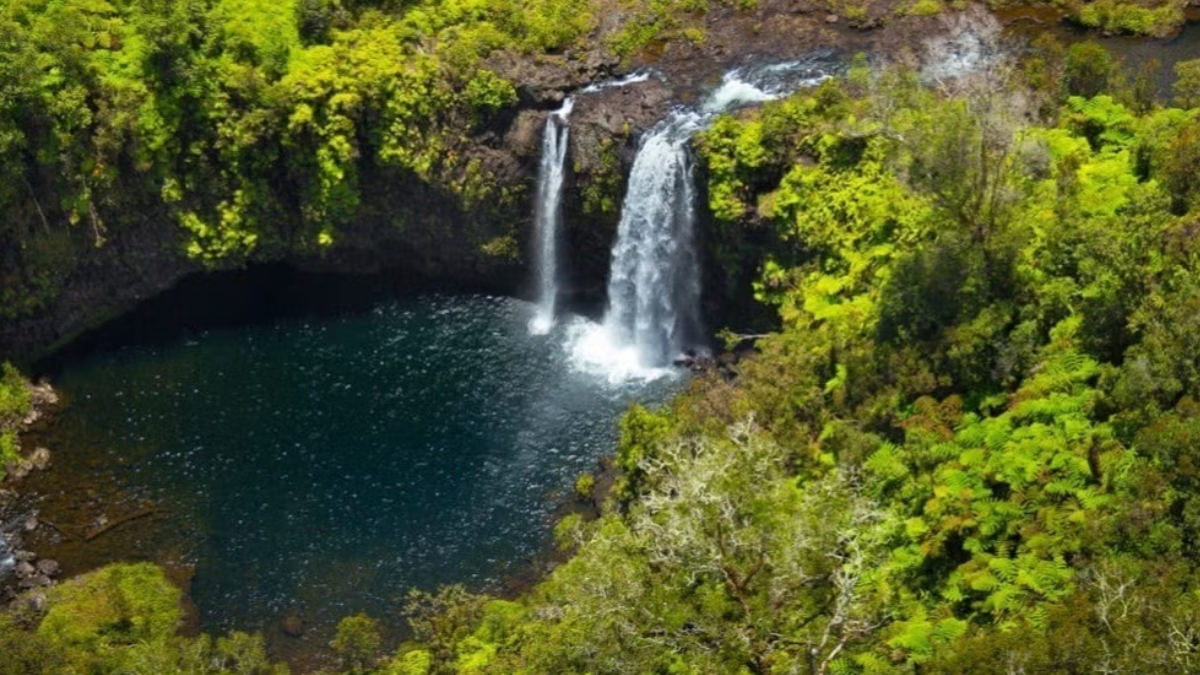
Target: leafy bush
x: 116, y: 605
x: 14, y: 406
x: 358, y: 642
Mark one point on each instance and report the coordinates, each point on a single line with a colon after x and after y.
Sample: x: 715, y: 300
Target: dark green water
x: 332, y: 463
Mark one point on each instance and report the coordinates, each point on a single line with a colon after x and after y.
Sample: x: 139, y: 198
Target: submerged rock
x: 292, y: 625
x: 42, y: 398
x: 40, y: 459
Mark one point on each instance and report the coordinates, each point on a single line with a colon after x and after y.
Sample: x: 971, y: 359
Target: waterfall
x: 7, y: 562
x: 551, y: 172
x: 654, y: 283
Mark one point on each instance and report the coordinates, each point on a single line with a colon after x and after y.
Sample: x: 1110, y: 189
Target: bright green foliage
x: 732, y: 150
x: 641, y: 429
x: 415, y: 662
x: 1015, y: 495
x: 602, y: 186
x: 358, y: 642
x: 1087, y: 69
x: 1132, y: 17
x: 487, y: 92
x: 121, y: 620
x: 14, y: 406
x: 584, y: 485
x: 120, y: 604
x: 248, y: 123
x: 1187, y: 83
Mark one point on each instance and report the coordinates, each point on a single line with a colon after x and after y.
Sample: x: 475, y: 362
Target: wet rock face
x: 49, y: 568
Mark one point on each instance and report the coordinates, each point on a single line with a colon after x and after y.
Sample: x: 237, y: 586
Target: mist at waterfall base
x: 654, y: 286
x: 327, y: 465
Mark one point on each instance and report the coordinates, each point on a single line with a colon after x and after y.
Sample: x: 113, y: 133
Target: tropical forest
x: 599, y: 337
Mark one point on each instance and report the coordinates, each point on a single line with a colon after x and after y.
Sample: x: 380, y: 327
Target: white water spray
x: 551, y: 173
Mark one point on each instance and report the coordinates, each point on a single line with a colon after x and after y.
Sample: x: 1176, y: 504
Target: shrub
x: 358, y: 642
x: 115, y: 605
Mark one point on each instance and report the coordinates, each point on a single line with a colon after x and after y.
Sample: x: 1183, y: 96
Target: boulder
x: 40, y: 459
x: 50, y: 568
x: 292, y: 625
x: 24, y: 570
x: 35, y: 581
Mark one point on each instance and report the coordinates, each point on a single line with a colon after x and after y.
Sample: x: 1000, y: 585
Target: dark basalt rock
x: 49, y: 568
x: 24, y: 570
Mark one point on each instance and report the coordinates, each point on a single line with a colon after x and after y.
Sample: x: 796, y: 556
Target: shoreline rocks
x: 22, y: 570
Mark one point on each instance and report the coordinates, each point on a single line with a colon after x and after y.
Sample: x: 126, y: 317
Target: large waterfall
x: 549, y: 213
x: 654, y: 284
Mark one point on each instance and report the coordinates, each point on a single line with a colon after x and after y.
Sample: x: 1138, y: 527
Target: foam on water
x: 632, y: 78
x: 592, y: 350
x: 759, y: 84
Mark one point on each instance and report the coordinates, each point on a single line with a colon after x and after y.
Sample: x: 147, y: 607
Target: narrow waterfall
x: 548, y: 214
x: 654, y: 284
x: 7, y: 562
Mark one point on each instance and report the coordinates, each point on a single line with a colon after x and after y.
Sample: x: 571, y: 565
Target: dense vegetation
x: 972, y: 443
x: 247, y: 123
